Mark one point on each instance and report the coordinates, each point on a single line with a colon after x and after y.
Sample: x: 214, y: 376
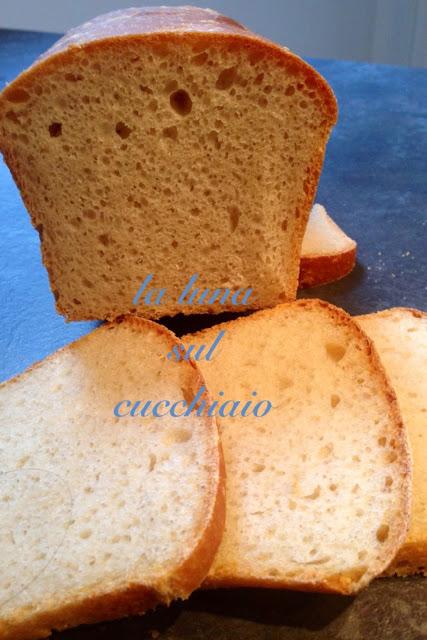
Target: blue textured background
x: 373, y: 184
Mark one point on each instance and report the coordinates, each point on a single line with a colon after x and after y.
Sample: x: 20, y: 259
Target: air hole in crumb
x: 234, y: 214
x: 388, y: 481
x: 55, y: 129
x: 290, y: 90
x: 335, y: 351
x: 382, y: 532
x: 104, y: 239
x: 284, y: 225
x: 85, y: 534
x: 257, y: 467
x: 181, y: 102
x: 123, y: 130
x: 226, y: 78
x: 335, y: 400
x: 170, y: 132
x: 201, y: 58
x: 314, y: 495
x: 73, y: 77
x: 178, y: 435
x: 76, y: 301
x: 152, y: 462
x: 285, y: 383
x: 17, y: 95
x: 174, y: 244
x: 213, y: 138
x: 382, y: 441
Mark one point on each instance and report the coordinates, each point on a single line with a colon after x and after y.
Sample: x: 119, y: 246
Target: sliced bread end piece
x: 400, y: 336
x: 145, y: 142
x: 327, y: 253
x: 103, y: 516
x: 318, y: 489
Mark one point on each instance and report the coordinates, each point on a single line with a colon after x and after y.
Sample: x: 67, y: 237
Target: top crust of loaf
x: 127, y: 596
x: 174, y: 24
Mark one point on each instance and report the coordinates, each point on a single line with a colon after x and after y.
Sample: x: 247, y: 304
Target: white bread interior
x: 102, y: 516
x: 317, y: 489
x: 400, y: 335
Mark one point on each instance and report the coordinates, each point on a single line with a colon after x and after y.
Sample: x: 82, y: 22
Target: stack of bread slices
x: 173, y: 141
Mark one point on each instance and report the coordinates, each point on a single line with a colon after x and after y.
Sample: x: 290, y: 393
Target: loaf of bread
x: 103, y: 516
x: 166, y: 141
x: 318, y: 489
x: 327, y: 253
x: 400, y: 335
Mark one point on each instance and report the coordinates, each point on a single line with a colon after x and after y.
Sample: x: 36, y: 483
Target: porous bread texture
x: 100, y: 516
x: 318, y: 489
x: 327, y: 253
x: 400, y: 336
x: 191, y: 146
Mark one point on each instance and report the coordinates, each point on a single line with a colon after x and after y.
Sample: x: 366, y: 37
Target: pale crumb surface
x: 316, y: 489
x: 90, y: 503
x: 323, y: 237
x: 400, y: 336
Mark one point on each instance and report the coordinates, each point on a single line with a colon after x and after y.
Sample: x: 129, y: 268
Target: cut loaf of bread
x: 327, y: 253
x: 102, y: 517
x: 318, y: 489
x: 166, y: 141
x: 400, y: 336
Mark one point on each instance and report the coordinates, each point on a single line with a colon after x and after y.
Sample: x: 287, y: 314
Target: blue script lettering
x: 199, y: 296
x: 149, y: 294
x: 181, y: 353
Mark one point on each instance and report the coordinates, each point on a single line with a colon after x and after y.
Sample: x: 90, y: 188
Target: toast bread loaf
x: 318, y: 489
x: 166, y: 141
x: 327, y: 253
x: 400, y: 336
x: 102, y: 516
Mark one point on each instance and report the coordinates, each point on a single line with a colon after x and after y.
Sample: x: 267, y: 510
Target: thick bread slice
x: 167, y: 141
x: 100, y: 516
x: 327, y: 253
x: 400, y: 336
x: 317, y: 489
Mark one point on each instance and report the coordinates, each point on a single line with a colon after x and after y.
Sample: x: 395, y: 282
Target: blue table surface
x: 373, y: 184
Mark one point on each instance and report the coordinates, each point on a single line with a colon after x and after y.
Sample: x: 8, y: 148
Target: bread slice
x: 400, y: 335
x: 167, y: 141
x: 327, y: 253
x: 317, y: 489
x: 102, y: 516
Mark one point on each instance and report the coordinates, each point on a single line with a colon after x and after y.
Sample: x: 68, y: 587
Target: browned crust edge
x: 345, y: 583
x: 319, y: 270
x: 416, y: 313
x: 134, y: 598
